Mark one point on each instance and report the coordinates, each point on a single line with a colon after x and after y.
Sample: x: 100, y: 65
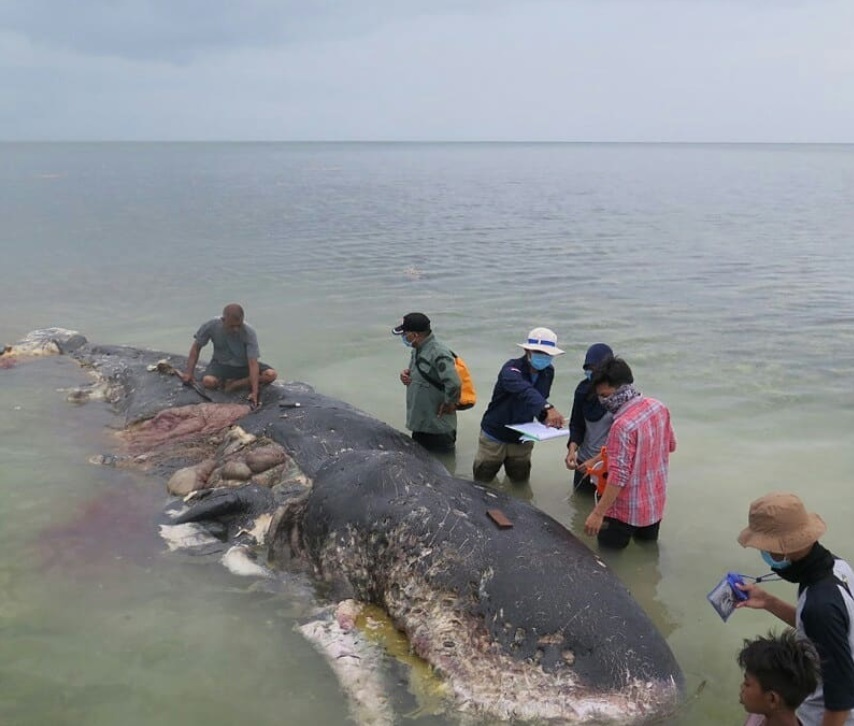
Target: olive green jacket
x: 422, y: 398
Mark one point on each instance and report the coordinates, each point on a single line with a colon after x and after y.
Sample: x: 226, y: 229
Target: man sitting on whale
x: 234, y: 363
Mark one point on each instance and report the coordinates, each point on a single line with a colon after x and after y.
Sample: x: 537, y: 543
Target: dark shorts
x: 231, y: 373
x: 617, y: 535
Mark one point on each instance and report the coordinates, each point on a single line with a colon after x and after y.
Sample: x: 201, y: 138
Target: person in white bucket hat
x: 542, y: 340
x: 521, y: 394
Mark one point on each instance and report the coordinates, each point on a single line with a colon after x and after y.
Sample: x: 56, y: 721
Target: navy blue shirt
x: 519, y: 396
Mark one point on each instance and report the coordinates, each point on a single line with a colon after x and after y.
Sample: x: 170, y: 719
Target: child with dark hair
x: 780, y: 671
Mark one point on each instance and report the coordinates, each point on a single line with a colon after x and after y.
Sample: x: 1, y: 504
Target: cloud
x: 181, y: 30
x: 631, y: 70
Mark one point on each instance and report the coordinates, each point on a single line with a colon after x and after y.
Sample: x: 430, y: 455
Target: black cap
x: 413, y: 323
x: 597, y: 353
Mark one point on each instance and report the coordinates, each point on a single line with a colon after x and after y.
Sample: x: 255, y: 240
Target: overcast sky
x: 563, y: 70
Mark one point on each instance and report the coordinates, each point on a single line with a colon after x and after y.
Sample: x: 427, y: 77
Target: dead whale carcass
x: 524, y: 623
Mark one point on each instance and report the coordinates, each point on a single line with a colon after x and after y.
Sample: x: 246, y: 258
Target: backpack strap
x: 427, y: 377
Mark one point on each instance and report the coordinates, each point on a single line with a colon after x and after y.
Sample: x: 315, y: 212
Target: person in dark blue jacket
x: 521, y: 395
x: 589, y: 422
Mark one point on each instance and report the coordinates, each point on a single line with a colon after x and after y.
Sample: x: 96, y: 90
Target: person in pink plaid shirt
x: 639, y: 446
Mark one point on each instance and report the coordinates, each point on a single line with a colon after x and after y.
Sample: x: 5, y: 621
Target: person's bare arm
x: 835, y: 718
x: 759, y: 599
x: 189, y: 374
x: 253, y: 380
x: 572, y: 456
x: 594, y: 520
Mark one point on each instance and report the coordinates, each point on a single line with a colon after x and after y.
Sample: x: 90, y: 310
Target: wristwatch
x: 545, y: 411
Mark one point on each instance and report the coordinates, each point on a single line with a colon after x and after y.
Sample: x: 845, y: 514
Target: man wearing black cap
x: 432, y: 385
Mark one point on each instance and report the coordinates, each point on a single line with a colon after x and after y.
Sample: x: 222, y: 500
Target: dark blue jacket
x: 516, y: 399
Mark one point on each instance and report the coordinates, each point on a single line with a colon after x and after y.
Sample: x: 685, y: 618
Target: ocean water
x: 722, y: 273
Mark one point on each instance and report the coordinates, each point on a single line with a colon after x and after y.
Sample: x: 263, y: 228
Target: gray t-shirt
x: 595, y: 436
x: 230, y: 349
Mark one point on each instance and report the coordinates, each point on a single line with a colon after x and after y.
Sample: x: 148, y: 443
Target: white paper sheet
x: 535, y: 431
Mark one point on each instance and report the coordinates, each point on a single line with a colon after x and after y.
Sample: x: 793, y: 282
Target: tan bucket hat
x: 780, y: 523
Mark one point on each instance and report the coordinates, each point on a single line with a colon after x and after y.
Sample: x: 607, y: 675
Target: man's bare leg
x: 267, y: 376
x: 235, y: 384
x: 211, y: 382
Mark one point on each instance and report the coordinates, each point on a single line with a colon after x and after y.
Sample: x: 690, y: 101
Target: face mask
x: 540, y: 361
x: 775, y: 564
x: 588, y: 374
x: 612, y: 403
x: 405, y: 341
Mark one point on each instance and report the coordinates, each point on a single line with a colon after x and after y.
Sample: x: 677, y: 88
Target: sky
x: 422, y: 70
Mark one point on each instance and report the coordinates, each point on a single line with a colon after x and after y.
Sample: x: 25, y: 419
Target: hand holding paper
x: 535, y: 431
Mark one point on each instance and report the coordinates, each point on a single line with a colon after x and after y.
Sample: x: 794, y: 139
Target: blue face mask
x: 540, y: 361
x: 406, y: 342
x: 775, y: 564
x: 588, y: 374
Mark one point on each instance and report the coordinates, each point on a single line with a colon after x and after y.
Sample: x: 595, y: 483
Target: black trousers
x: 617, y: 535
x: 441, y: 443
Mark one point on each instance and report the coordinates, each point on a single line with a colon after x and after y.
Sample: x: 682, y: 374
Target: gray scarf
x: 620, y: 397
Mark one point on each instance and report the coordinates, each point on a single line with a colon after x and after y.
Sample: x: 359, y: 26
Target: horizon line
x: 425, y: 141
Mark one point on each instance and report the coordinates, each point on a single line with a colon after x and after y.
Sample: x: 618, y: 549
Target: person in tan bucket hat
x: 786, y: 534
x: 780, y: 523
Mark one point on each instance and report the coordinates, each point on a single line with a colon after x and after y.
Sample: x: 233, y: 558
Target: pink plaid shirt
x: 639, y: 446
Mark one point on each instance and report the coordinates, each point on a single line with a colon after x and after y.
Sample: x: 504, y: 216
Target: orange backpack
x: 468, y: 396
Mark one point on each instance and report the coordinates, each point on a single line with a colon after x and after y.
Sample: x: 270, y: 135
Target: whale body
x: 522, y: 623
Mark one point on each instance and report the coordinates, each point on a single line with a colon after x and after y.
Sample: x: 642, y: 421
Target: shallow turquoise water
x: 721, y: 273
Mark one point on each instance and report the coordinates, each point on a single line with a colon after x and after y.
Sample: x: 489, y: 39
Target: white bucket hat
x: 542, y: 340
